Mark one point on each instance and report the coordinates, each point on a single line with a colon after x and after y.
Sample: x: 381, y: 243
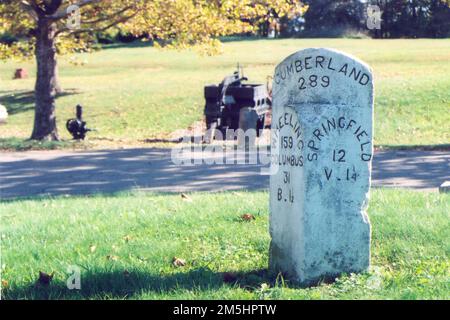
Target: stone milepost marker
x: 321, y: 163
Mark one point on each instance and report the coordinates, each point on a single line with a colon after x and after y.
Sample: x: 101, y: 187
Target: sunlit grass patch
x: 124, y: 246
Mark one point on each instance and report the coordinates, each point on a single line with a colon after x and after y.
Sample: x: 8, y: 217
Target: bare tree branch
x: 62, y: 12
x: 26, y: 4
x: 28, y: 8
x: 108, y: 17
x: 112, y: 24
x: 52, y: 7
x: 37, y: 9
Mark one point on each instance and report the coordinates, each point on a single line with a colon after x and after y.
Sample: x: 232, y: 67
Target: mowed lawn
x: 132, y: 93
x: 124, y: 246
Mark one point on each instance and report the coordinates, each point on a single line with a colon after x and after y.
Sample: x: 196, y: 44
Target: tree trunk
x: 57, y: 84
x: 46, y: 82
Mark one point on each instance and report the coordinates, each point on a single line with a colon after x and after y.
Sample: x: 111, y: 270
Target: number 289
x: 313, y: 81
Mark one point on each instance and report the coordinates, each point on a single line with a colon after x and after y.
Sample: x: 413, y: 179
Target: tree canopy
x: 173, y: 23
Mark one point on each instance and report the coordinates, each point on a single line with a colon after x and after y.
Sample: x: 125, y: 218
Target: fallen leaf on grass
x: 5, y: 284
x: 248, y: 217
x: 92, y: 248
x: 142, y: 259
x: 127, y: 238
x: 178, y: 262
x: 185, y: 197
x: 45, y: 278
x: 112, y: 257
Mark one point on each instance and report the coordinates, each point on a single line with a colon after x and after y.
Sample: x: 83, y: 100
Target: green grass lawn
x: 138, y: 92
x: 124, y: 245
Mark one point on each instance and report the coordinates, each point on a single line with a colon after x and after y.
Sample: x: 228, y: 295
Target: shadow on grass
x: 19, y: 144
x: 122, y: 284
x: 149, y: 44
x: 152, y: 169
x: 17, y: 101
x: 133, y: 44
x: 245, y: 38
x: 414, y: 147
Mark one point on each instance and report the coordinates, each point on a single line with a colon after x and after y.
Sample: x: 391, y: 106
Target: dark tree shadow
x: 133, y: 44
x: 123, y: 284
x: 111, y: 171
x: 415, y: 147
x: 144, y: 44
x: 152, y: 169
x: 18, y: 101
x: 243, y: 38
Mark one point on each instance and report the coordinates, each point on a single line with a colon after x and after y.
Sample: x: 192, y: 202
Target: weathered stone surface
x: 3, y: 114
x: 322, y: 153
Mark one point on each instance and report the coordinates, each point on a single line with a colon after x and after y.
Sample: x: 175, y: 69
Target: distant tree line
x: 333, y: 18
x: 399, y: 18
x: 414, y: 18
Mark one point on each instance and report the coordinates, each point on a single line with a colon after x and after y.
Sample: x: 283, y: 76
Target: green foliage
x: 179, y: 24
x: 124, y: 245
